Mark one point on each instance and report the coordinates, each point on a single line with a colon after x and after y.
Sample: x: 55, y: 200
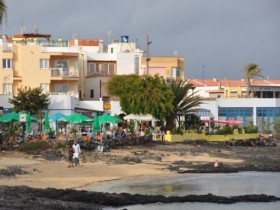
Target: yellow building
x: 31, y: 60
x: 168, y: 67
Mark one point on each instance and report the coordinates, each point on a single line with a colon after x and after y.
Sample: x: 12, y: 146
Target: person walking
x: 71, y: 152
x: 77, y: 153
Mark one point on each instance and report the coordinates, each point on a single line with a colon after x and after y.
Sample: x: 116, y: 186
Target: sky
x: 216, y: 38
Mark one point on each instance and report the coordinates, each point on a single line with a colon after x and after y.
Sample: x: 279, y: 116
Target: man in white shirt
x: 77, y: 153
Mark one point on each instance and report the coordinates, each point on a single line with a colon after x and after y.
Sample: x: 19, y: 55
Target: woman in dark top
x: 71, y: 153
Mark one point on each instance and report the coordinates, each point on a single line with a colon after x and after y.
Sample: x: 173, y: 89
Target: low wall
x: 191, y: 135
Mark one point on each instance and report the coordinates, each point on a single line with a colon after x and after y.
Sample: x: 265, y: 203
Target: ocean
x: 200, y: 184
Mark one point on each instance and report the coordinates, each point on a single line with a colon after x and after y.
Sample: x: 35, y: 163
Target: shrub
x: 224, y: 131
x: 251, y: 129
x: 33, y: 146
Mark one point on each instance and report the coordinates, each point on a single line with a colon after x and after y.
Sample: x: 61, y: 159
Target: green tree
x: 119, y: 84
x: 184, y: 103
x: 3, y: 11
x: 251, y: 71
x: 142, y: 95
x: 30, y: 100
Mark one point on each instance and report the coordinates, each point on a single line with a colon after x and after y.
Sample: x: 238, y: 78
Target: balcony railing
x: 64, y: 72
x: 71, y: 93
x: 7, y: 47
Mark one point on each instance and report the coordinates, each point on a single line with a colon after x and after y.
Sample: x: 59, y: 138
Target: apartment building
x: 225, y: 88
x: 227, y: 100
x: 33, y: 61
x: 78, y: 69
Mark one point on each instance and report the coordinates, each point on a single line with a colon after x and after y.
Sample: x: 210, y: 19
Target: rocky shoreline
x: 26, y: 198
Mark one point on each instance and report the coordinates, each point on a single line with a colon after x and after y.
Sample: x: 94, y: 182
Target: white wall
x: 126, y: 63
x: 62, y: 103
x: 101, y: 56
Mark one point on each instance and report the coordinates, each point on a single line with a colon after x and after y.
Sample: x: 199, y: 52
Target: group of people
x: 74, y: 153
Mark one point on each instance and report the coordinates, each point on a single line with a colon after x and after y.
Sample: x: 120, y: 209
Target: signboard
x: 106, y: 105
x: 22, y: 117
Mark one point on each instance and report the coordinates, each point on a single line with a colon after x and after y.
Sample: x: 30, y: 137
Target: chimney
x: 214, y: 79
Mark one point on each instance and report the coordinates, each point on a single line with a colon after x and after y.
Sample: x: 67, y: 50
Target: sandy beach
x: 125, y: 163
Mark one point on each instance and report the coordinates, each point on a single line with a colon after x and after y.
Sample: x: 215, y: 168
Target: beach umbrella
x: 10, y: 117
x: 146, y: 117
x: 76, y: 118
x: 28, y: 123
x: 95, y: 124
x: 106, y: 118
x: 235, y: 122
x: 57, y: 116
x: 14, y: 117
x: 46, y: 123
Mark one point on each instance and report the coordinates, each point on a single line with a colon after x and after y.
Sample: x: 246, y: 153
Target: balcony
x: 64, y: 72
x: 7, y: 47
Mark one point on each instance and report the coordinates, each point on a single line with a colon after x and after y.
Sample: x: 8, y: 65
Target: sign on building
x: 22, y: 117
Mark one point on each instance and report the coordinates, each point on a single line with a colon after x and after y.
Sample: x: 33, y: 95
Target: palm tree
x: 3, y: 11
x: 251, y: 71
x: 185, y: 101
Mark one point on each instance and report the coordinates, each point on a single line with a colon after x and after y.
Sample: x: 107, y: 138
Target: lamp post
x: 203, y: 74
x: 147, y: 54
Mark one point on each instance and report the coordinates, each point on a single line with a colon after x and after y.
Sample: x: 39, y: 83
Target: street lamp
x: 147, y: 54
x: 203, y: 74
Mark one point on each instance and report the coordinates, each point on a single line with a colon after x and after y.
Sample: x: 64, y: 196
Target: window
x: 62, y: 88
x: 136, y: 65
x: 44, y: 63
x: 61, y: 64
x: 101, y: 68
x: 92, y: 68
x: 92, y: 93
x: 111, y: 68
x: 244, y: 114
x: 7, y: 89
x: 7, y: 63
x: 176, y: 71
x: 45, y: 87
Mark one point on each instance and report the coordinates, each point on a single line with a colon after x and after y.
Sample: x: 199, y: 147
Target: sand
x: 55, y: 174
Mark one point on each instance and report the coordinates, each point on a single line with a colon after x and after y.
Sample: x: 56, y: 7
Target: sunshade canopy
x: 46, y: 123
x: 76, y: 118
x: 57, y: 116
x: 95, y: 124
x: 14, y: 117
x: 106, y: 118
x: 146, y: 117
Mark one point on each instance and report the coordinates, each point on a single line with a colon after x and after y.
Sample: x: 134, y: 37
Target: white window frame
x: 44, y: 63
x: 7, y: 63
x: 7, y: 88
x: 45, y: 87
x: 176, y: 72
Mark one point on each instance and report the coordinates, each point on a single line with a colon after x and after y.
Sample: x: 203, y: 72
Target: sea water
x: 231, y: 184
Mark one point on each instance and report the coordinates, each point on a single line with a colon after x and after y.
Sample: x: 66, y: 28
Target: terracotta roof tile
x: 232, y: 83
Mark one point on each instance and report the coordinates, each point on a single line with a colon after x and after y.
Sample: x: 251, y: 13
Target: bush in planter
x: 224, y: 131
x: 251, y: 129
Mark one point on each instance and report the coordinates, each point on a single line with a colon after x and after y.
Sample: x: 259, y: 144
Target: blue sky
x: 221, y: 35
